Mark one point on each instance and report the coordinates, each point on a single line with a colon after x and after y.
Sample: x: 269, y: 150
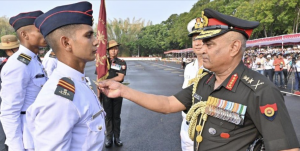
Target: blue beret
x: 78, y: 13
x: 218, y: 24
x: 24, y: 19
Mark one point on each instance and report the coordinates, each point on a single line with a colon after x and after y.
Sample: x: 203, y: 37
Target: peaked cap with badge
x: 219, y: 24
x: 196, y: 25
x: 9, y: 42
x: 24, y: 19
x: 78, y: 13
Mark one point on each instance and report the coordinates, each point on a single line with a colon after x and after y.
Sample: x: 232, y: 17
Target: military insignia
x: 208, y: 33
x: 226, y: 110
x: 24, y: 58
x: 52, y: 55
x: 123, y: 67
x: 231, y: 82
x: 258, y: 83
x: 65, y: 88
x: 212, y: 131
x: 201, y: 22
x: 269, y: 111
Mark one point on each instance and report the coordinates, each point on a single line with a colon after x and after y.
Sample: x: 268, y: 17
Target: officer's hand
x: 110, y: 88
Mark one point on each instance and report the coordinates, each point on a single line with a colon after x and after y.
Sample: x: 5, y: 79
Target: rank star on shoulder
x: 250, y: 81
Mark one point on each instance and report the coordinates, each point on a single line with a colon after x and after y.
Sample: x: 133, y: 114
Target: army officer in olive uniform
x: 112, y: 106
x: 233, y: 107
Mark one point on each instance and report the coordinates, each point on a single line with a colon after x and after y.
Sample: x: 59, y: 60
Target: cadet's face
x: 215, y: 53
x: 197, y: 45
x: 84, y: 45
x: 35, y: 37
x: 113, y: 52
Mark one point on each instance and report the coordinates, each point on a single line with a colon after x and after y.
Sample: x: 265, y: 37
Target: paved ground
x: 144, y: 130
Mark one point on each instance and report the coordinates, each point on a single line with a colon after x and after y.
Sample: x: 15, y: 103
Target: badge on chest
x: 116, y: 66
x: 226, y: 110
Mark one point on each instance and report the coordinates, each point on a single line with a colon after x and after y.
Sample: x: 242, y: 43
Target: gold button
x: 100, y: 128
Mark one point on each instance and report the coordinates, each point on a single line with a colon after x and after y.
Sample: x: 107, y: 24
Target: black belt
x: 22, y: 112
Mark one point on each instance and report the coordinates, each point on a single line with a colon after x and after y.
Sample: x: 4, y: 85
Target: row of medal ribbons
x: 225, y: 110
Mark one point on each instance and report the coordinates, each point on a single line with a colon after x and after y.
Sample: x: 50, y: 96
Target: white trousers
x: 186, y: 143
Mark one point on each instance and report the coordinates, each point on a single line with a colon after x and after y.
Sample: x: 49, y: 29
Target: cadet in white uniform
x: 22, y: 79
x: 194, y: 27
x: 49, y: 62
x: 67, y: 115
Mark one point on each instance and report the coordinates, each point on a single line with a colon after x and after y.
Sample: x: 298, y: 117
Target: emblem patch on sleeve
x: 65, y: 88
x: 24, y: 58
x: 269, y: 111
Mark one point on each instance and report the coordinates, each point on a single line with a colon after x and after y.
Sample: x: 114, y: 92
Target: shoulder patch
x: 65, y: 88
x: 52, y: 55
x: 24, y: 58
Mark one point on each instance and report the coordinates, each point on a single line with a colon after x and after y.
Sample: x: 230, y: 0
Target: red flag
x: 102, y: 64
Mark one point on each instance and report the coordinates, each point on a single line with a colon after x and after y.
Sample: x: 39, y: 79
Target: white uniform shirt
x: 49, y: 63
x: 190, y: 72
x: 20, y: 86
x: 61, y: 124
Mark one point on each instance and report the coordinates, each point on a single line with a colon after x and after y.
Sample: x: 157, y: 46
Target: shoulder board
x: 24, y: 58
x: 65, y: 88
x: 254, y: 80
x: 52, y: 55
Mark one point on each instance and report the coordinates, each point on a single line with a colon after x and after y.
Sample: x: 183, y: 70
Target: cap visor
x: 211, y: 33
x: 194, y: 32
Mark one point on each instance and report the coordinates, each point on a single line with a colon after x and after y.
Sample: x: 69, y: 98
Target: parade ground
x: 144, y: 130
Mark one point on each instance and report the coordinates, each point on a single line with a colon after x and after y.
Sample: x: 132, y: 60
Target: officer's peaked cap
x: 24, y: 19
x: 78, y: 13
x: 219, y: 24
x: 195, y: 26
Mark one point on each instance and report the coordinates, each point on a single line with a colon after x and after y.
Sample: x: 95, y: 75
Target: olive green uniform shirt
x: 255, y: 91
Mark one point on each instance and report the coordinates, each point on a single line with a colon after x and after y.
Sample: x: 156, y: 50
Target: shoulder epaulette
x: 24, y: 58
x: 253, y: 81
x: 65, y: 88
x: 52, y: 55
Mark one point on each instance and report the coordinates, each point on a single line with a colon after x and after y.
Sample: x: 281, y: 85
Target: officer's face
x: 197, y: 45
x: 215, y: 53
x: 113, y: 52
x: 35, y: 37
x: 84, y: 44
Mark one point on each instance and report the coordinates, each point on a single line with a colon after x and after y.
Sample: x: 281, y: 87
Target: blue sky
x: 154, y: 10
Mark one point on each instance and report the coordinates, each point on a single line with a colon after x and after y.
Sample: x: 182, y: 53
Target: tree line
x: 276, y: 17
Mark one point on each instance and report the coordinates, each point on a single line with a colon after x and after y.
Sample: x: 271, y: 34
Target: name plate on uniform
x: 226, y: 110
x: 116, y: 66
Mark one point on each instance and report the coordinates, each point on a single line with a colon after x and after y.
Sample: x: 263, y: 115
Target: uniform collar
x: 67, y: 71
x: 26, y: 51
x: 232, y: 80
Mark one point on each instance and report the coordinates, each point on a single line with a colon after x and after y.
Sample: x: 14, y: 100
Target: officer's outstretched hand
x: 110, y: 88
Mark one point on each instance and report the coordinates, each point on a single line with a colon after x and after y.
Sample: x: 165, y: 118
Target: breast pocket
x: 39, y: 79
x: 215, y: 127
x: 96, y: 132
